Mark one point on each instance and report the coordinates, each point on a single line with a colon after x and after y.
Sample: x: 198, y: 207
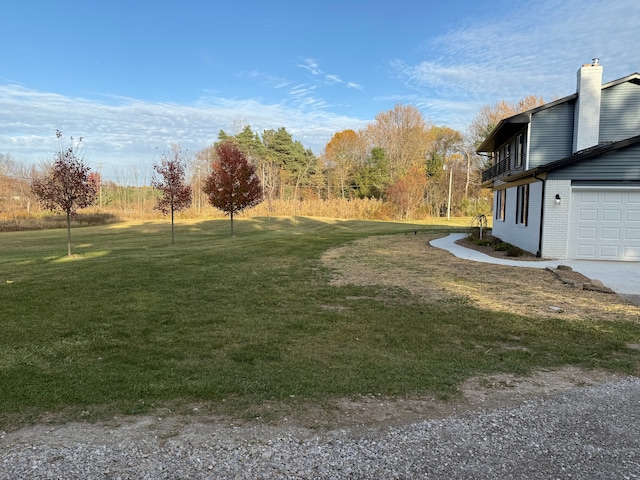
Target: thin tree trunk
x: 173, y: 238
x: 232, y: 223
x: 466, y: 185
x: 68, y: 234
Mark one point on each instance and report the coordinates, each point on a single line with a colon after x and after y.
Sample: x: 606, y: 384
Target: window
x: 507, y: 155
x: 519, y: 150
x: 501, y: 200
x: 522, y: 205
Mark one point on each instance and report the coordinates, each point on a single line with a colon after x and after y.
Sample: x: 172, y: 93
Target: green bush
x: 483, y: 242
x: 501, y: 246
x: 514, y: 251
x: 510, y: 250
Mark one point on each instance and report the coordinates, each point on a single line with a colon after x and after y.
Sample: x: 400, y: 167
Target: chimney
x: 586, y: 121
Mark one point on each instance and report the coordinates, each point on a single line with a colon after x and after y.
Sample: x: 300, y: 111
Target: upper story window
x: 507, y: 153
x: 519, y: 150
x: 510, y: 155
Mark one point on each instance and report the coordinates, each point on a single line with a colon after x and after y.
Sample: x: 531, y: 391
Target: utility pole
x: 449, y: 196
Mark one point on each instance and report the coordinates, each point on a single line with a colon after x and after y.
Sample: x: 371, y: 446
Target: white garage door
x: 604, y: 224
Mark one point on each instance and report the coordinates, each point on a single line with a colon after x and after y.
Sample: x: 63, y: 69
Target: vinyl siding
x: 551, y: 134
x: 617, y: 165
x: 620, y: 112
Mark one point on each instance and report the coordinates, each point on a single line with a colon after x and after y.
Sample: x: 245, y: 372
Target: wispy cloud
x: 274, y: 81
x: 124, y: 132
x: 312, y: 66
x: 331, y: 79
x: 536, y: 48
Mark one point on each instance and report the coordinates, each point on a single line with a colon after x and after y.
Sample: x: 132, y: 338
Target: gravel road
x: 586, y: 433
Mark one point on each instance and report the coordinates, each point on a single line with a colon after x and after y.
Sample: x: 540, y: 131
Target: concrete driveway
x: 621, y: 277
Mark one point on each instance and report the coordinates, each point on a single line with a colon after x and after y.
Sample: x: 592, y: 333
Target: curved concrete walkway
x: 621, y: 277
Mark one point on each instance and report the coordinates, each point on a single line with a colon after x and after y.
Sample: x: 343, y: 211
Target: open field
x: 289, y: 314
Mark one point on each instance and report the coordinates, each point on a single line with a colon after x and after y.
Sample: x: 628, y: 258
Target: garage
x: 604, y: 224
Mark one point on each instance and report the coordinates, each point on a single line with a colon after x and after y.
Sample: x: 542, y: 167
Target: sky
x: 133, y: 77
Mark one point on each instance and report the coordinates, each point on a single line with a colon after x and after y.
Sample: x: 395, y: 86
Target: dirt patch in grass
x: 435, y: 275
x: 483, y: 393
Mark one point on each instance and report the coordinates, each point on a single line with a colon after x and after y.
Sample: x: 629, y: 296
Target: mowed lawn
x: 132, y: 324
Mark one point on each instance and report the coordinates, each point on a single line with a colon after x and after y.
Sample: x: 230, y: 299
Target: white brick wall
x: 556, y: 219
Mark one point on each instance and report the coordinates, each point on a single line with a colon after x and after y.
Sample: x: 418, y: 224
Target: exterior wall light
x: 558, y: 199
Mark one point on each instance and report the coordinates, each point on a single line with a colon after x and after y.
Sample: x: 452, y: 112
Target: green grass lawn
x: 132, y: 323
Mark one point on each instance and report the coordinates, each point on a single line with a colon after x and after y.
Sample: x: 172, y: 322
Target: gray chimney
x: 586, y: 122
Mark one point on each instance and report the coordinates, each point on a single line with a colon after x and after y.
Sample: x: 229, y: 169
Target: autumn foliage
x: 407, y: 193
x: 233, y: 185
x: 67, y: 186
x: 175, y: 193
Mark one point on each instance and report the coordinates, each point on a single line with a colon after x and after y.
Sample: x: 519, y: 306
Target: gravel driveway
x: 586, y: 433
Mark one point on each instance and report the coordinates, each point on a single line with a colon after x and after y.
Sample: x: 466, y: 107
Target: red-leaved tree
x: 176, y: 194
x: 233, y: 184
x: 67, y: 185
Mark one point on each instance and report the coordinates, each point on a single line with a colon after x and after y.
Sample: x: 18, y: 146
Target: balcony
x: 507, y: 165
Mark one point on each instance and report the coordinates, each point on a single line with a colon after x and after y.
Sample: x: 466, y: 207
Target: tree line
x: 401, y: 161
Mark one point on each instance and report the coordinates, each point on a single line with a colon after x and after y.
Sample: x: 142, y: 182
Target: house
x: 566, y: 175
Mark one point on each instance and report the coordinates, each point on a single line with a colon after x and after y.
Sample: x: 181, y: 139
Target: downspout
x: 544, y: 181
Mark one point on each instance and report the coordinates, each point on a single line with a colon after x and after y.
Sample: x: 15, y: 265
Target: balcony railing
x: 503, y: 167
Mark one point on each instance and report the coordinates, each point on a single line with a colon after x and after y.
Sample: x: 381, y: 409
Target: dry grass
x: 434, y: 275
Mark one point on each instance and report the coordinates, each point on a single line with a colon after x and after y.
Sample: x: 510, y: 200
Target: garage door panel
x: 609, y: 215
x: 610, y: 234
x: 632, y: 234
x: 633, y: 198
x: 604, y: 224
x: 632, y: 253
x: 612, y: 197
x: 633, y: 216
x: 587, y: 233
x: 588, y: 197
x: 586, y: 251
x: 588, y: 215
x: 609, y: 252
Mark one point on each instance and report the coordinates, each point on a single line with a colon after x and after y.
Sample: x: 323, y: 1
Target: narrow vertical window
x: 522, y: 205
x: 520, y: 150
x: 501, y: 197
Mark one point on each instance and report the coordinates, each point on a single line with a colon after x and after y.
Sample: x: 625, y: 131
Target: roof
x: 510, y: 126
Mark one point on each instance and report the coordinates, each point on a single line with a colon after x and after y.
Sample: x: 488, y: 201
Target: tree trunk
x: 231, y: 223
x: 466, y: 185
x: 68, y: 234
x: 173, y: 238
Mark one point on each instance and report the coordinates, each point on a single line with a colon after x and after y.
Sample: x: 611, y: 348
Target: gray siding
x: 551, y: 134
x: 620, y: 112
x: 617, y: 165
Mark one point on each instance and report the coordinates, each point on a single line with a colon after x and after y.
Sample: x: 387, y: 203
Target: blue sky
x: 132, y: 77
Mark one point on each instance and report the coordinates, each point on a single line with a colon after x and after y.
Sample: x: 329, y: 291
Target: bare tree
x: 66, y: 186
x: 490, y: 115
